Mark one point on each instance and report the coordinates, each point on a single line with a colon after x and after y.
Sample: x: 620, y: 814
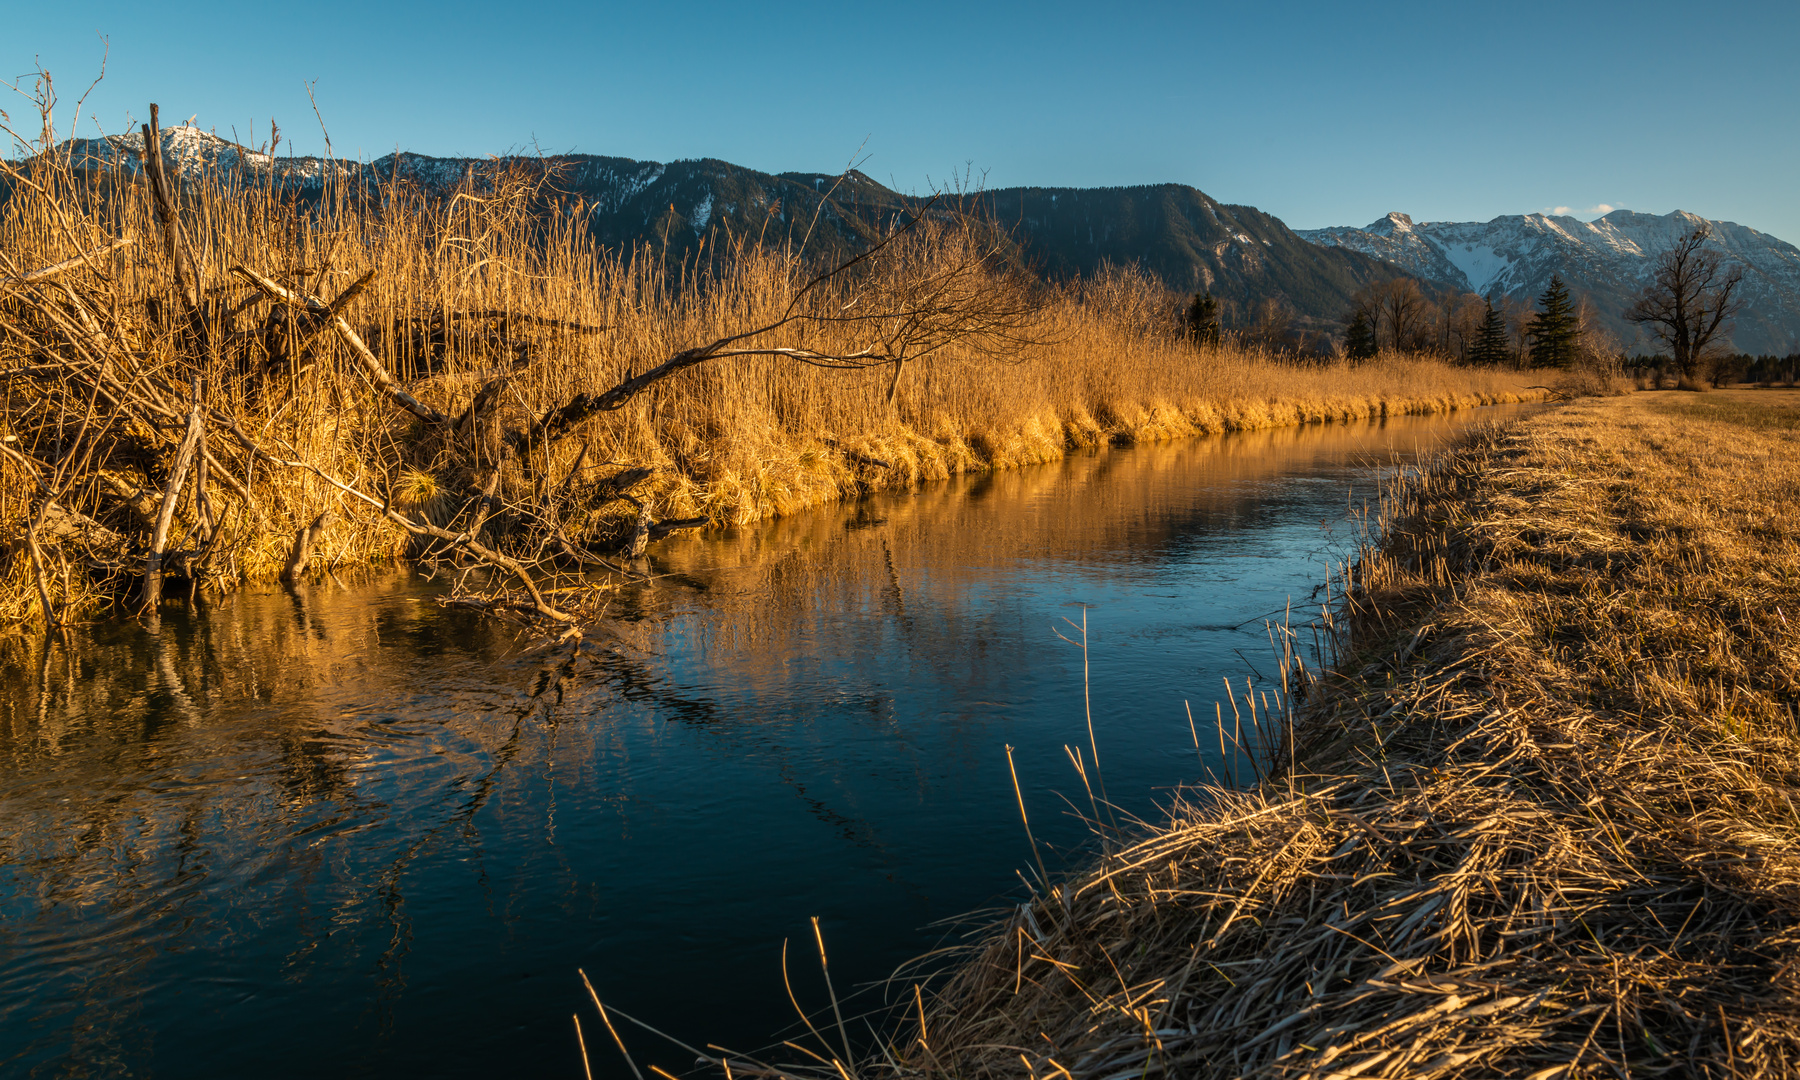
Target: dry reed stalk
x: 1539, y: 822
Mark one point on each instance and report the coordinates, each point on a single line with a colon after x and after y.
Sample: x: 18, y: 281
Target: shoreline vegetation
x: 212, y: 380
x: 1537, y: 819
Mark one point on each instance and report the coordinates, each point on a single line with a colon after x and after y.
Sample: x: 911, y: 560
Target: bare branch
x: 377, y: 372
x: 32, y: 277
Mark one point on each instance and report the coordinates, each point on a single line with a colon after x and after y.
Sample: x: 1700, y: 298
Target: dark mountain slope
x: 1190, y: 241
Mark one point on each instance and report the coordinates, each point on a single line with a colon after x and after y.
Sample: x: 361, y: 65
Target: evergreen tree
x: 1202, y: 321
x: 1555, y: 332
x: 1359, y: 338
x: 1492, y: 346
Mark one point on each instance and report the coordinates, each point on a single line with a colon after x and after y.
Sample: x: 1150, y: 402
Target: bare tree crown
x: 1692, y: 300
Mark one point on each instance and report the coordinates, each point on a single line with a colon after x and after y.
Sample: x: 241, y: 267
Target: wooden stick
x: 302, y: 549
x: 37, y: 566
x: 166, y: 515
x: 185, y: 280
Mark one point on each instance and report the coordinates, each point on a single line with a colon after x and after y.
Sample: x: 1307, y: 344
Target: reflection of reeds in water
x: 921, y: 557
x: 193, y: 762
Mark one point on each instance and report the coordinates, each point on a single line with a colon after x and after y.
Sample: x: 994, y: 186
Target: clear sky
x: 1320, y: 113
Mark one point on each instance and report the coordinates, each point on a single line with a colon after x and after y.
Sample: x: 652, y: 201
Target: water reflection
x: 354, y: 833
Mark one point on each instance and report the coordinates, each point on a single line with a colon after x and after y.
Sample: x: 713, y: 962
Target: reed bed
x: 1538, y: 821
x: 372, y: 374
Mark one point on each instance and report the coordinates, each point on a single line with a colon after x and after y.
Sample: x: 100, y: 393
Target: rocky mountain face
x: 1608, y: 260
x: 1179, y: 234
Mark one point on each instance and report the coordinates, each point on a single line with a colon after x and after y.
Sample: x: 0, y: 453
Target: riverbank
x: 224, y: 383
x: 1539, y: 822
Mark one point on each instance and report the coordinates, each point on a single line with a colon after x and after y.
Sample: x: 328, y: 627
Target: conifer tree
x: 1359, y: 337
x: 1202, y: 321
x: 1492, y: 346
x: 1555, y: 332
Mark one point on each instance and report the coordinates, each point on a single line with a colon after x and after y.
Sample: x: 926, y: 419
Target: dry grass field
x: 1539, y: 822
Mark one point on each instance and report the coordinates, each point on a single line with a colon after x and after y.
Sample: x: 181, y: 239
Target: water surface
x: 357, y: 834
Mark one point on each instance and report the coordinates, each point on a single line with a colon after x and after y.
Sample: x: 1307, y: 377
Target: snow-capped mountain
x: 188, y: 150
x: 1608, y: 260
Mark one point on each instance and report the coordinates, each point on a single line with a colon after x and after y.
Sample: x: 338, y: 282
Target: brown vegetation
x: 214, y: 376
x: 1538, y: 822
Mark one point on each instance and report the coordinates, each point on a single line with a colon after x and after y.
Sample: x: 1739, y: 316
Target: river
x: 355, y: 833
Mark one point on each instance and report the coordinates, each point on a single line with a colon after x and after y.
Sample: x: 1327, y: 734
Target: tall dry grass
x: 492, y: 306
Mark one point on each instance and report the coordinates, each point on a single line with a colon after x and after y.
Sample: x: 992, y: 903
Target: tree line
x: 1688, y: 305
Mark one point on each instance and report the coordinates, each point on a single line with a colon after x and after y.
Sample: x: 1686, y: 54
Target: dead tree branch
x: 46, y: 273
x: 373, y: 367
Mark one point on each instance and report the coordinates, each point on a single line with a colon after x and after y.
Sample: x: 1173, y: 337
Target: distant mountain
x: 1608, y: 260
x: 627, y: 202
x: 1192, y: 242
x: 1189, y: 240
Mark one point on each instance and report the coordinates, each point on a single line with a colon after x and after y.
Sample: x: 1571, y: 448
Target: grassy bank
x: 1539, y: 823
x: 466, y: 377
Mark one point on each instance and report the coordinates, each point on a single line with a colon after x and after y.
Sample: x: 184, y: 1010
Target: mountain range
x: 1189, y: 240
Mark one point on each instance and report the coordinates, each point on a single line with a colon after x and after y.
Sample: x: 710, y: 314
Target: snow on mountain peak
x: 1394, y: 222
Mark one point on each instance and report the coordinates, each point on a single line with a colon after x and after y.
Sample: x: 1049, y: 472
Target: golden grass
x: 500, y: 287
x: 1540, y: 821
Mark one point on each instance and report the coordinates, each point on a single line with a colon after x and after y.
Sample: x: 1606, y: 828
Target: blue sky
x: 1322, y: 114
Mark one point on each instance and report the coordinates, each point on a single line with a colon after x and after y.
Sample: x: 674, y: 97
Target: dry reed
x: 478, y: 315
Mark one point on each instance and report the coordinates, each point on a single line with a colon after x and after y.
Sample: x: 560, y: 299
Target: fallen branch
x: 858, y: 455
x: 463, y: 541
x: 373, y: 367
x: 45, y: 273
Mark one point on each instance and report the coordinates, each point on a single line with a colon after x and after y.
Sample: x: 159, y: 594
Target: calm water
x: 357, y: 834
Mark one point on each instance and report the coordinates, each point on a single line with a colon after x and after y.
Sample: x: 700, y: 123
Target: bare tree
x: 1273, y: 326
x: 1402, y: 306
x: 1462, y: 320
x: 1692, y: 300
